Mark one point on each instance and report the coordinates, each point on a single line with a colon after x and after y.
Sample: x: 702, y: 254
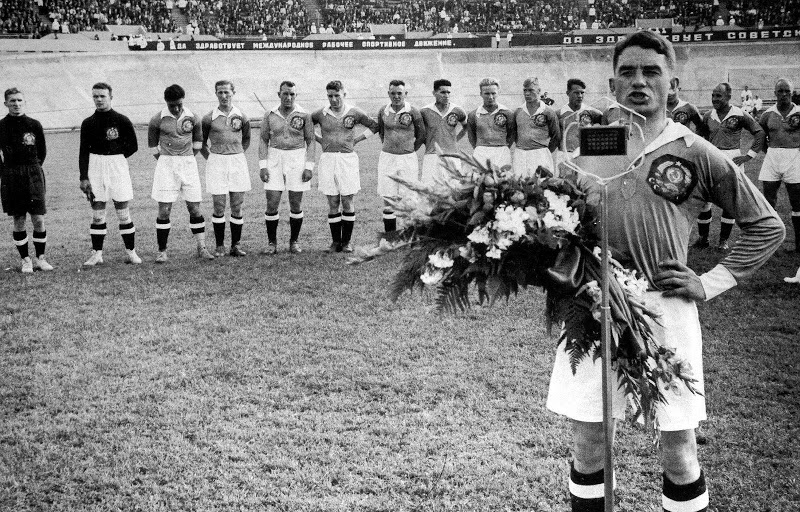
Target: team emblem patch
x: 585, y: 119
x: 236, y: 123
x: 187, y: 125
x: 405, y: 119
x: 29, y: 139
x: 793, y: 121
x: 681, y: 117
x: 112, y: 133
x: 539, y: 120
x: 500, y: 120
x: 297, y: 122
x: 349, y: 122
x: 733, y: 123
x: 452, y: 120
x: 672, y: 177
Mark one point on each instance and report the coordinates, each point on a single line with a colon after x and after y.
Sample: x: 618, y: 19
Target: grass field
x: 291, y: 383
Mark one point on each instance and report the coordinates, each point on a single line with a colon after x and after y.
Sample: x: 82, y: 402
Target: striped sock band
x: 691, y: 497
x: 704, y: 223
x: 236, y: 229
x: 335, y: 223
x: 197, y: 225
x: 219, y: 229
x: 587, y: 492
x: 98, y: 232
x: 295, y: 223
x: 21, y: 241
x: 39, y: 242
x: 162, y: 233
x: 725, y: 227
x: 389, y: 220
x: 348, y: 222
x: 271, y: 220
x: 128, y: 232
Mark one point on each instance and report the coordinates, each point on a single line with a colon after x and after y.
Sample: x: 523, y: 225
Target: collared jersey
x: 442, y: 129
x: 726, y: 133
x: 491, y: 129
x: 175, y: 137
x: 652, y: 210
x: 338, y: 131
x: 782, y: 132
x: 537, y: 130
x: 685, y: 113
x: 400, y: 131
x: 294, y: 131
x: 585, y: 116
x: 227, y: 134
x: 21, y: 141
x: 105, y: 133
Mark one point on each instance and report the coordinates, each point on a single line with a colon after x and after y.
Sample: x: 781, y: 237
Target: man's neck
x: 285, y: 111
x: 225, y: 109
x: 722, y: 112
x: 397, y: 108
x: 575, y: 108
x: 443, y: 107
x: 490, y: 108
x: 104, y: 110
x: 653, y: 127
x: 16, y: 115
x: 532, y: 105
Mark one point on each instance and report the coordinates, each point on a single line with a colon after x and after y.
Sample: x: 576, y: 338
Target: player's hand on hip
x: 739, y: 160
x: 85, y: 186
x: 307, y: 175
x: 264, y: 173
x: 678, y: 280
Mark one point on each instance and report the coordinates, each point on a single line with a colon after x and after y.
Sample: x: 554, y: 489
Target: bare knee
x: 679, y: 456
x: 193, y: 209
x: 588, y: 446
x: 38, y: 222
x: 237, y: 199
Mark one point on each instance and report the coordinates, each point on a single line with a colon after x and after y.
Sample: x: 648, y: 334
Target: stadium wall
x: 57, y: 86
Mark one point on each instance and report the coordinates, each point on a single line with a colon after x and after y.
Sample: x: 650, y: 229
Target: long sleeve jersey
x: 21, y: 141
x: 491, y: 129
x: 782, y: 132
x: 726, y: 133
x: 686, y: 114
x: 442, y: 129
x: 174, y: 137
x: 105, y: 133
x: 226, y: 134
x: 338, y: 131
x: 401, y: 132
x: 538, y: 129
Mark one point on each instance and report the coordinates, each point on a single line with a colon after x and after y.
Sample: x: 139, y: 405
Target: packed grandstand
x: 299, y: 18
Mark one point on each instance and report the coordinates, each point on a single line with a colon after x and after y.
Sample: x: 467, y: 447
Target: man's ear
x: 674, y: 84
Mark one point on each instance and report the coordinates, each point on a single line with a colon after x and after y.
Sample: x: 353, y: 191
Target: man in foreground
x: 679, y: 174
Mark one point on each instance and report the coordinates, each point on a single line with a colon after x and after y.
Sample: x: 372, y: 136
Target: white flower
x: 636, y: 286
x: 440, y: 260
x: 510, y: 219
x: 480, y: 235
x: 494, y: 252
x: 559, y: 215
x: 504, y: 242
x: 431, y: 278
x: 466, y: 252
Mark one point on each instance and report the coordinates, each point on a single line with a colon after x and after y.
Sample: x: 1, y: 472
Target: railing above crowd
x: 300, y: 18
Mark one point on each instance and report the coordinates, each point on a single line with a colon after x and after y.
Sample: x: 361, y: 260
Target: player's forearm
x: 754, y: 246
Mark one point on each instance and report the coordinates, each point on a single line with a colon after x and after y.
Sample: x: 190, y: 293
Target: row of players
x: 287, y: 156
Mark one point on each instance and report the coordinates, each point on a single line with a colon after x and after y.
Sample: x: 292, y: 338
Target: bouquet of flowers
x: 492, y: 231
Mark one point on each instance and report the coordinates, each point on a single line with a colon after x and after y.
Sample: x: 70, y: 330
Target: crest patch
x: 585, y: 119
x: 500, y: 120
x: 681, y: 117
x: 349, y: 122
x: 733, y: 123
x: 405, y: 119
x: 29, y: 139
x: 539, y: 120
x: 672, y: 178
x: 297, y: 122
x: 187, y: 125
x: 236, y: 123
x: 112, y: 133
x: 793, y: 121
x: 452, y: 120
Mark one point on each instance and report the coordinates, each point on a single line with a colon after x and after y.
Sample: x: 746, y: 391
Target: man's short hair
x: 442, y: 82
x: 334, y: 85
x: 11, y: 92
x: 102, y: 85
x: 220, y: 83
x: 487, y: 82
x: 287, y: 83
x: 648, y: 40
x: 531, y: 82
x: 726, y: 86
x: 174, y: 93
x: 397, y: 83
x: 575, y: 81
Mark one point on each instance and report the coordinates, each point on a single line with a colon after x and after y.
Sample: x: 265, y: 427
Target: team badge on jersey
x: 680, y: 117
x: 793, y: 121
x: 500, y: 120
x: 112, y: 133
x: 187, y: 125
x: 236, y: 123
x: 297, y: 123
x: 539, y: 120
x: 452, y: 120
x: 349, y: 122
x: 29, y: 139
x: 672, y: 177
x: 585, y: 119
x: 733, y: 123
x: 405, y: 119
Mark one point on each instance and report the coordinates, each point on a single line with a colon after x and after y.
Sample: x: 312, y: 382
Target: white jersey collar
x: 297, y: 108
x: 483, y: 112
x: 432, y: 106
x: 234, y: 112
x: 671, y: 132
x: 539, y: 110
x: 774, y: 108
x: 406, y: 108
x: 345, y: 109
x: 166, y: 113
x: 734, y: 111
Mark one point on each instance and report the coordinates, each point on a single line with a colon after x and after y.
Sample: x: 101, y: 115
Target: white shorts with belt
x: 110, y: 178
x: 499, y: 155
x: 580, y: 396
x: 526, y: 161
x: 338, y: 174
x: 433, y: 168
x: 227, y: 173
x: 285, y: 169
x: 176, y: 175
x: 404, y: 166
x: 781, y: 164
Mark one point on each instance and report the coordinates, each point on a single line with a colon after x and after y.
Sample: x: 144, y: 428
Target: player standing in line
x: 22, y: 183
x: 723, y: 126
x: 175, y: 137
x: 681, y: 111
x: 538, y: 133
x: 226, y: 136
x: 445, y: 125
x: 402, y: 133
x: 781, y: 124
x: 490, y: 127
x: 286, y: 162
x: 575, y: 111
x: 107, y: 140
x: 339, y: 177
x: 680, y: 172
